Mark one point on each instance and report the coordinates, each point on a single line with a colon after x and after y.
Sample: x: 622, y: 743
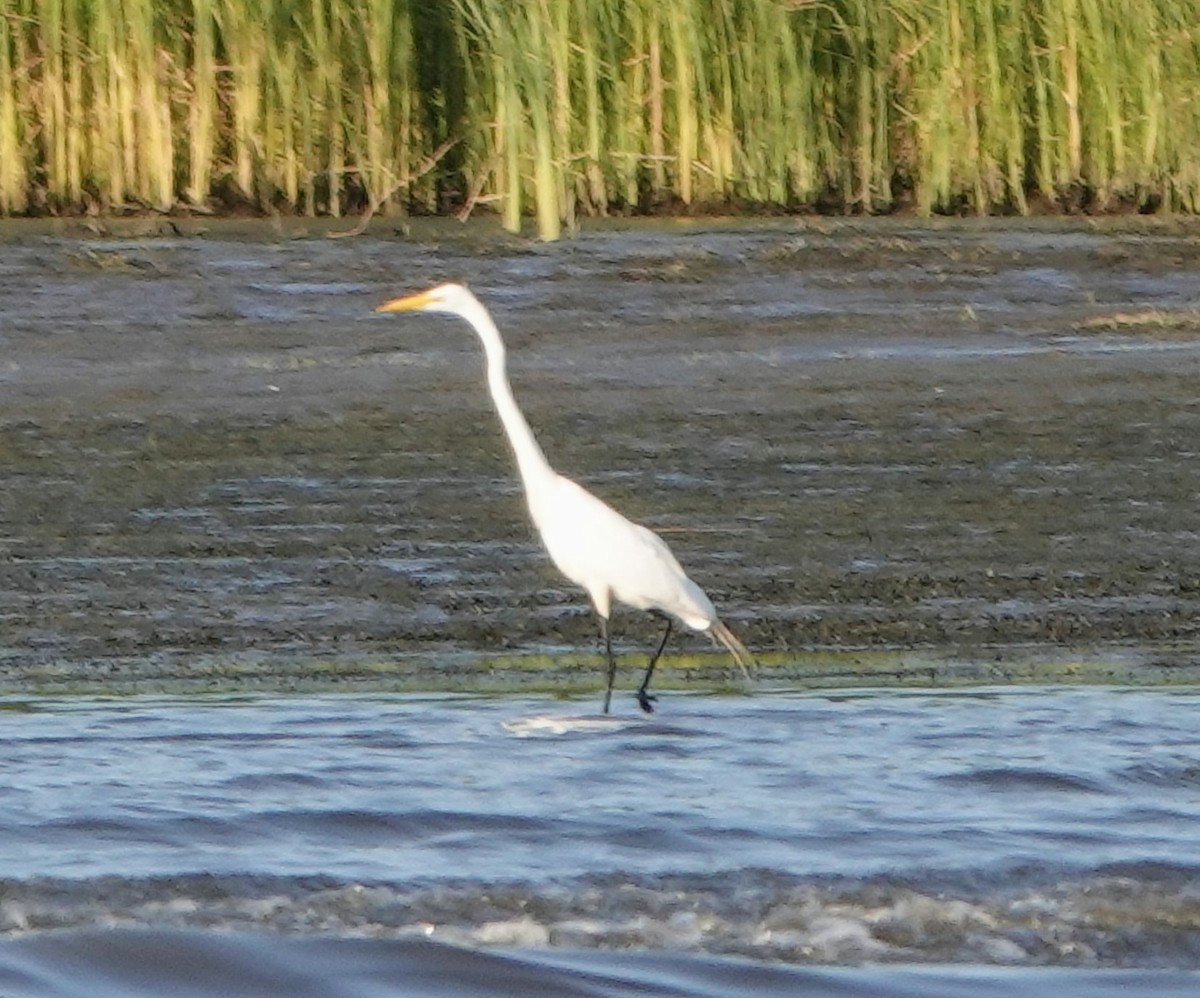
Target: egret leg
x: 644, y: 698
x: 612, y: 663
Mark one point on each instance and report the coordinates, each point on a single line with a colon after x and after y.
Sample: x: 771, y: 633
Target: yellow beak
x: 409, y: 303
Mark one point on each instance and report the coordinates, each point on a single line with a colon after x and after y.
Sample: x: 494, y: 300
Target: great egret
x: 592, y: 544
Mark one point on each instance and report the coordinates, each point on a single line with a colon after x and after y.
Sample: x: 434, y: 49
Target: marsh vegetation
x: 556, y: 109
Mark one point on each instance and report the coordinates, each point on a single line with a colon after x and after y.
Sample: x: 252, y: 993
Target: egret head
x: 452, y: 298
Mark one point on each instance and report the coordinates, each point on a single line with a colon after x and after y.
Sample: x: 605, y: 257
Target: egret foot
x: 646, y: 701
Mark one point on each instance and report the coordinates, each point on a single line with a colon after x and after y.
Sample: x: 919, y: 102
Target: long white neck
x: 531, y: 462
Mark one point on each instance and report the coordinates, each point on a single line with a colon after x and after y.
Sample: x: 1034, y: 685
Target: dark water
x: 221, y: 467
x: 118, y: 965
x: 521, y: 846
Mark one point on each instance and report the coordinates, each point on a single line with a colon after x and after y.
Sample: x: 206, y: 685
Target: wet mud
x: 890, y: 451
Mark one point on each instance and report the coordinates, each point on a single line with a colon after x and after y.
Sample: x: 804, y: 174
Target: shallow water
x: 433, y: 789
x: 893, y: 453
x: 1001, y: 826
x: 224, y: 472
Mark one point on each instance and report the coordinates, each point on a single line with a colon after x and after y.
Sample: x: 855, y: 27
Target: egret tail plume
x: 738, y: 650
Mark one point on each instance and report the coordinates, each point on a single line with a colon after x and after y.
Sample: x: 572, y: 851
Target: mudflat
x: 891, y: 451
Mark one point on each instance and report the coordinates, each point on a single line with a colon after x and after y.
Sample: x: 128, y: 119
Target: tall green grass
x: 563, y: 108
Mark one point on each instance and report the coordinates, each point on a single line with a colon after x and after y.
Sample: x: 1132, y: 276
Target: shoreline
x: 579, y: 677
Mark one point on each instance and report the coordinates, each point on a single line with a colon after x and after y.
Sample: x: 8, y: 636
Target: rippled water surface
x: 885, y: 436
x: 1005, y: 827
x: 254, y: 536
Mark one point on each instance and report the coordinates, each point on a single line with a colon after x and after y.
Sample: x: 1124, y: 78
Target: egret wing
x: 596, y: 547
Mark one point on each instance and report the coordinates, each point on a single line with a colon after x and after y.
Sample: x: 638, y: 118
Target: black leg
x: 612, y: 663
x: 644, y: 699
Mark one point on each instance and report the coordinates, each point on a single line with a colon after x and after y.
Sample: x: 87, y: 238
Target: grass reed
x: 569, y: 107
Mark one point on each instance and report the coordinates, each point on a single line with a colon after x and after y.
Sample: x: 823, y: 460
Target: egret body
x: 612, y: 558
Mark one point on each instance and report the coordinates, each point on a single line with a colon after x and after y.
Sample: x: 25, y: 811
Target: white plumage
x: 613, y: 559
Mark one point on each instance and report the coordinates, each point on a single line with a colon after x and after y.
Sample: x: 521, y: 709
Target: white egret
x: 612, y: 558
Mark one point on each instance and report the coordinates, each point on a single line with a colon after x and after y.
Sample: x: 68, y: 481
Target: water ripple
x: 999, y: 826
x: 1007, y: 780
